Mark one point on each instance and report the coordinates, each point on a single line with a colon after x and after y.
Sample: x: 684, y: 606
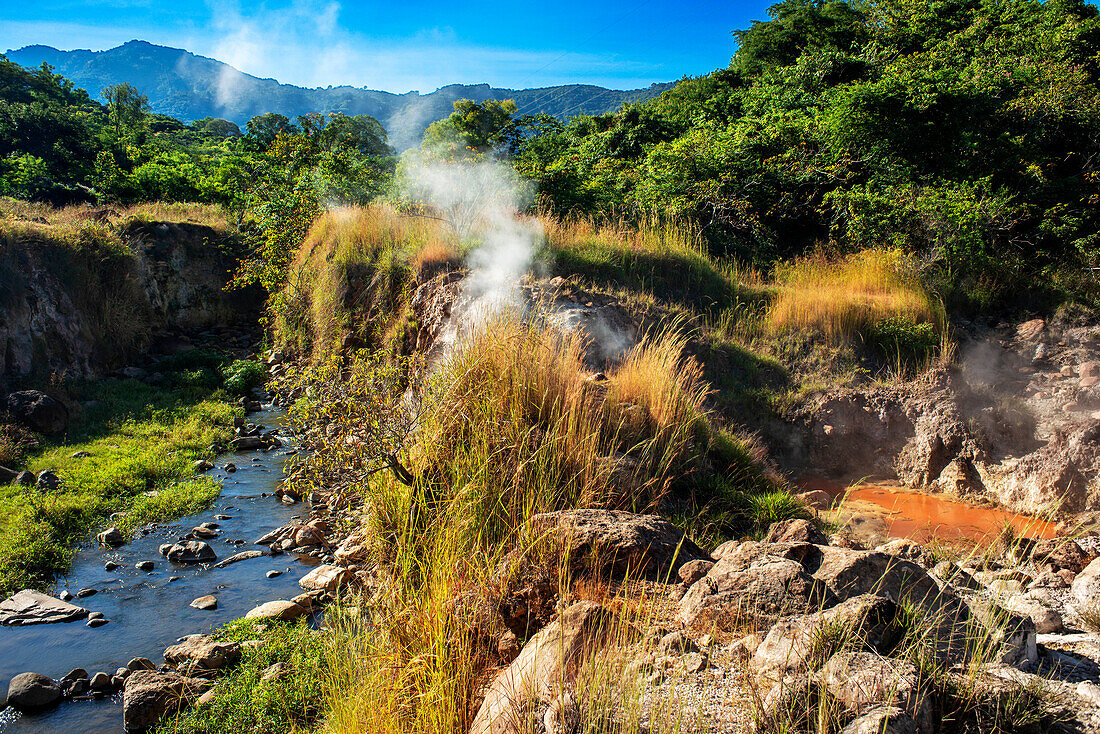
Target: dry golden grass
x: 16, y: 211
x: 350, y: 272
x: 844, y: 298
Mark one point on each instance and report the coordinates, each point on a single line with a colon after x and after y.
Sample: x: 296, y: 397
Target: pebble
x: 85, y: 593
x: 111, y: 566
x: 95, y: 615
x: 230, y: 468
x: 206, y: 603
x: 65, y: 595
x: 223, y: 517
x: 173, y: 578
x: 98, y: 622
x: 144, y: 565
x: 272, y: 574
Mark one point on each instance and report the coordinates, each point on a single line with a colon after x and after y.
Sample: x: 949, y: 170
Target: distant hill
x: 189, y: 87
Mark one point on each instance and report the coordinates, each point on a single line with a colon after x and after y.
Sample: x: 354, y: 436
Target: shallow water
x: 147, y: 611
x: 923, y: 517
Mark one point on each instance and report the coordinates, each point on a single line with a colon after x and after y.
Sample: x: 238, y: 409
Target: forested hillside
x: 190, y: 87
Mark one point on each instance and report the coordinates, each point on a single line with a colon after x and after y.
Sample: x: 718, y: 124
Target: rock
x: 274, y: 573
x: 309, y: 534
x: 508, y: 646
x: 1060, y: 553
x: 1030, y: 331
x: 692, y: 571
x: 279, y: 609
x: 150, y: 695
x: 111, y: 566
x: 100, y: 682
x: 144, y: 565
x: 47, y: 481
x: 325, y: 577
x: 204, y: 533
x: 200, y: 656
x: 207, y: 698
x: 676, y: 643
x: 85, y: 593
x: 863, y: 681
x: 798, y: 644
x: 562, y: 715
x: 247, y: 443
x: 139, y: 663
x: 65, y: 595
x: 25, y: 479
x: 1011, y: 635
x: 237, y: 558
x: 190, y: 551
x: 38, y: 411
x: 230, y: 468
x: 97, y: 622
x: 816, y: 499
x: 549, y: 661
x: 695, y: 662
x: 202, y: 465
x: 75, y: 674
x: 33, y: 607
x: 81, y: 454
x: 615, y: 542
x: 1085, y: 591
x: 32, y: 692
x: 882, y: 720
x: 1045, y: 619
x: 111, y: 537
x: 276, y: 672
x: 755, y: 582
x: 795, y: 530
x: 205, y: 603
x: 95, y: 615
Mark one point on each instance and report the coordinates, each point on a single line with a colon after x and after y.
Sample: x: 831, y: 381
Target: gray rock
x: 144, y: 565
x: 111, y: 537
x: 47, y: 481
x: 149, y: 695
x: 1045, y: 619
x: 795, y: 530
x: 205, y: 603
x: 200, y: 656
x: 276, y: 672
x: 882, y: 720
x: 38, y: 411
x: 237, y: 558
x: 676, y: 643
x: 615, y: 542
x: 85, y: 593
x: 33, y: 692
x: 279, y: 609
x: 137, y: 664
x: 33, y: 607
x: 25, y: 479
x: 692, y: 571
x: 863, y: 681
x: 98, y: 622
x: 190, y: 551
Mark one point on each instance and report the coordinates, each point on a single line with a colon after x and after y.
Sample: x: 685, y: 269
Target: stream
x: 148, y: 611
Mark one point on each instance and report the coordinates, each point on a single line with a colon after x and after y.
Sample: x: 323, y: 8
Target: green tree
x: 127, y: 108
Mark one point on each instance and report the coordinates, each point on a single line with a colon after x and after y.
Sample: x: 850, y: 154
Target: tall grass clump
x: 350, y: 275
x: 873, y: 295
x: 510, y: 425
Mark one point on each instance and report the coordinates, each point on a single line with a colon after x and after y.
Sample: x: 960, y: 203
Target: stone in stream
x: 149, y: 695
x: 32, y: 692
x: 100, y: 682
x: 204, y: 533
x: 230, y: 468
x: 97, y: 622
x: 111, y: 566
x: 144, y: 565
x: 273, y: 573
x: 140, y: 663
x: 75, y: 674
x: 95, y: 615
x: 202, y: 465
x: 223, y: 517
x: 205, y: 603
x: 33, y: 607
x: 111, y: 537
x: 325, y: 577
x: 85, y: 593
x: 242, y: 556
x: 65, y: 595
x: 190, y: 551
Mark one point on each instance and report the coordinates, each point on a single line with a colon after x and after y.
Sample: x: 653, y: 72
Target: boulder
x: 33, y: 607
x: 1012, y: 635
x: 47, y: 480
x: 548, y: 663
x: 278, y: 609
x: 801, y: 643
x: 32, y: 692
x: 247, y: 443
x: 189, y: 551
x: 1045, y: 619
x: 882, y: 720
x: 38, y: 411
x: 139, y: 663
x: 325, y: 577
x: 863, y: 681
x: 25, y: 479
x: 1085, y: 591
x: 111, y: 537
x: 754, y: 584
x: 615, y: 542
x: 795, y: 530
x: 150, y: 695
x: 205, y: 603
x: 692, y: 571
x: 200, y: 656
x: 1057, y: 554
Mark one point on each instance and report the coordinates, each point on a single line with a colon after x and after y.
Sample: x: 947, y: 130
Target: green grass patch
x: 142, y: 441
x: 244, y: 702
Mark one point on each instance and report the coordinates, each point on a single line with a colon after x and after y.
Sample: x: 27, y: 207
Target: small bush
x: 244, y: 375
x: 906, y: 341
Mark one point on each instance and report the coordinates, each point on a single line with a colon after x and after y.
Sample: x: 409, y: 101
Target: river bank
x: 147, y: 611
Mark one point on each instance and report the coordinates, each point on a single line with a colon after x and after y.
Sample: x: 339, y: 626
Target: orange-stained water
x: 923, y: 517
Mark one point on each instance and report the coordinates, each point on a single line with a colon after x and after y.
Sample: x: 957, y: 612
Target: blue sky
x: 399, y: 46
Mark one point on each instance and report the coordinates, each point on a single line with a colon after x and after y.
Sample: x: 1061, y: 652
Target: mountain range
x: 188, y: 86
